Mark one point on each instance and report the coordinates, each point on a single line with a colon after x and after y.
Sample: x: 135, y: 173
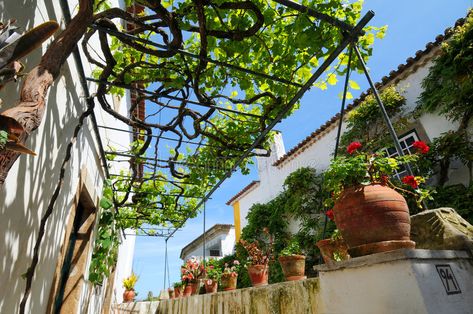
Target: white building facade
x: 316, y: 150
x: 219, y: 242
x: 31, y: 182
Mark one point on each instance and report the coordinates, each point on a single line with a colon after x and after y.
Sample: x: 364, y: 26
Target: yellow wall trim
x: 236, y: 219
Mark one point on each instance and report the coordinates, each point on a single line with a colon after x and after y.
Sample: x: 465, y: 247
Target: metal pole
x: 318, y: 15
x: 165, y: 261
x: 167, y: 264
x: 391, y: 130
x: 339, y: 131
x: 203, y: 253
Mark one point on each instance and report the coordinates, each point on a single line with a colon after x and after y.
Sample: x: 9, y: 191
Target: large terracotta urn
x: 373, y: 218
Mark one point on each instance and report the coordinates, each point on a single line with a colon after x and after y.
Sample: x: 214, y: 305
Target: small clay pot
x: 229, y: 282
x: 293, y: 267
x: 187, y: 290
x: 258, y: 275
x: 211, y: 286
x: 177, y: 292
x: 195, y: 287
x: 171, y: 293
x: 129, y: 295
x: 329, y: 248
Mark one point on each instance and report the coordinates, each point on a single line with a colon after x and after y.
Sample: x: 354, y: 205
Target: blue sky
x: 411, y: 24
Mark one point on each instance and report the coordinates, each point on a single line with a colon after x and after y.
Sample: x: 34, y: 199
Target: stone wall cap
x: 398, y: 255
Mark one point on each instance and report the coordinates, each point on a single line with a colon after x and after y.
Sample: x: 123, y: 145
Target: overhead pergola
x: 191, y: 90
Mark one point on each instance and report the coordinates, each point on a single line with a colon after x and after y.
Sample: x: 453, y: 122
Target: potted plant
x: 230, y: 275
x: 191, y: 272
x: 213, y: 273
x: 187, y: 290
x: 292, y: 261
x: 129, y: 285
x: 370, y: 214
x: 178, y: 289
x: 333, y: 249
x: 259, y: 257
x: 171, y: 293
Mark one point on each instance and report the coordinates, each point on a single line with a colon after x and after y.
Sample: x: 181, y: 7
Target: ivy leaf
x: 105, y: 203
x: 353, y: 85
x: 332, y: 79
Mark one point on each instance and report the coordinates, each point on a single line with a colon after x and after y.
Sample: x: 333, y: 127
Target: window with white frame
x: 406, y: 142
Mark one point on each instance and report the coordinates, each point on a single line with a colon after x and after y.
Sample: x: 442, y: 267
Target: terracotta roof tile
x: 243, y: 191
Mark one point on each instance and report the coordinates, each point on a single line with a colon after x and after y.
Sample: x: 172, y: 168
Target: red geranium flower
x: 421, y: 147
x: 329, y: 214
x: 410, y: 180
x: 353, y: 147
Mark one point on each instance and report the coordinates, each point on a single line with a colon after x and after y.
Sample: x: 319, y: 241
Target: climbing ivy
x: 301, y: 200
x: 104, y: 256
x: 448, y: 88
x: 365, y: 123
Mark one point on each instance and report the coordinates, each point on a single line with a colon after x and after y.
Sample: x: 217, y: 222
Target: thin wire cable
x: 167, y: 264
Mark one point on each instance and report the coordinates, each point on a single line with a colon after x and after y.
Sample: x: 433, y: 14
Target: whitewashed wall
x: 32, y: 180
x: 225, y: 241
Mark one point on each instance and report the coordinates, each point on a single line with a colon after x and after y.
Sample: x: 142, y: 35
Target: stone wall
x: 282, y: 298
x: 403, y: 281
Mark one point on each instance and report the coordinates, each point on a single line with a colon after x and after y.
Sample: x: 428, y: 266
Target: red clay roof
x: 246, y: 188
x: 384, y: 81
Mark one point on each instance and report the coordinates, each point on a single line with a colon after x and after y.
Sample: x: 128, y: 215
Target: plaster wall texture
x: 404, y: 281
x: 32, y: 180
x: 225, y: 242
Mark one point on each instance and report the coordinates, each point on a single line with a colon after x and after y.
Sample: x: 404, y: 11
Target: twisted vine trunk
x: 30, y: 109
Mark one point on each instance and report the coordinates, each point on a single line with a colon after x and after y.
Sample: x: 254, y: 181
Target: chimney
x: 265, y: 164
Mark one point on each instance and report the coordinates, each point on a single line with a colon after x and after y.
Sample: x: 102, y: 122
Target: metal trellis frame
x: 349, y: 39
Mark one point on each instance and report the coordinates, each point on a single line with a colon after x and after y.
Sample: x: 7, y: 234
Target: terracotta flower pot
x: 373, y: 219
x: 211, y: 286
x: 229, y: 282
x: 129, y: 295
x: 177, y: 292
x: 330, y: 249
x: 195, y: 287
x: 293, y: 267
x: 187, y: 290
x: 258, y: 275
x: 171, y: 293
